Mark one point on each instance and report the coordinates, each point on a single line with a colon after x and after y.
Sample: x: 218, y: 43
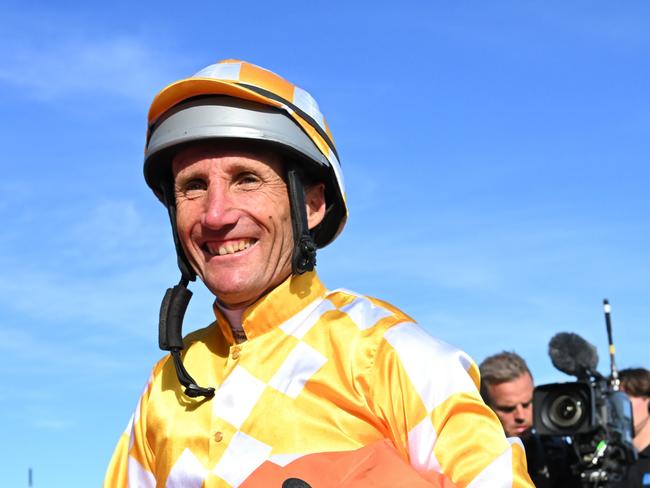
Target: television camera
x: 591, y: 412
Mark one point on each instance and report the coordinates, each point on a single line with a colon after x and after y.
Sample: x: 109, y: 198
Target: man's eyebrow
x: 189, y: 171
x: 512, y: 407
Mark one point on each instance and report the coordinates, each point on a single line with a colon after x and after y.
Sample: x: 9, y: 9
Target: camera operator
x: 635, y: 382
x: 507, y: 387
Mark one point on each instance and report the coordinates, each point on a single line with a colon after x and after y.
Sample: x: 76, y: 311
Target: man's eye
x: 248, y: 180
x: 192, y: 186
x: 506, y: 409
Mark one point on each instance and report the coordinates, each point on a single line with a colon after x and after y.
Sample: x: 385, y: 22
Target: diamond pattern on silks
x: 237, y: 395
x: 306, y: 319
x: 496, y: 474
x: 136, y: 414
x: 301, y: 364
x: 243, y: 456
x: 364, y: 313
x: 188, y: 472
x: 421, y: 354
x: 129, y: 427
x: 322, y: 372
x: 421, y: 440
x: 138, y: 476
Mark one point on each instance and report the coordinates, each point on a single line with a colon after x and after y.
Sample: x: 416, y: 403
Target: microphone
x: 573, y: 355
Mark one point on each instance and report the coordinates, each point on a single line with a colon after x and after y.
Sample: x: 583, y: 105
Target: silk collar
x: 276, y: 307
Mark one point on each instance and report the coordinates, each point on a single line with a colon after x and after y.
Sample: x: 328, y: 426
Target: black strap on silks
x: 304, y: 248
x: 172, y: 310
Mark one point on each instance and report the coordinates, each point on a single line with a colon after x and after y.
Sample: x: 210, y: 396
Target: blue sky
x: 496, y: 163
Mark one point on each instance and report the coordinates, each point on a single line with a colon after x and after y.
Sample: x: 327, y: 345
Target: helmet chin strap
x: 173, y: 307
x: 303, y: 258
x: 176, y: 299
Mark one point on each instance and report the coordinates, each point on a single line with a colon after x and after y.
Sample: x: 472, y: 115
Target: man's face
x: 512, y: 401
x: 640, y: 412
x: 234, y: 221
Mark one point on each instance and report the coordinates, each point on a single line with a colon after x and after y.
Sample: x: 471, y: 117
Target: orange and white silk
x: 321, y: 372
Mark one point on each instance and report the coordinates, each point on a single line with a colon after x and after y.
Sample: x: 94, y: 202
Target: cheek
x: 503, y: 417
x: 639, y: 409
x: 274, y: 216
x: 185, y: 220
x: 182, y: 223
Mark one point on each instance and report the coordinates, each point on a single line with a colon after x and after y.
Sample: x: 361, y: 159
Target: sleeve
x: 132, y: 463
x: 426, y: 392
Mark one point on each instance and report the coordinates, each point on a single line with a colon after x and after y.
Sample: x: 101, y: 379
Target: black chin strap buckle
x: 192, y: 390
x: 304, y: 248
x: 170, y: 335
x: 304, y: 257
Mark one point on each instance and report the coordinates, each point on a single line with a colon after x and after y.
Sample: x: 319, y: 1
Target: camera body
x: 597, y: 419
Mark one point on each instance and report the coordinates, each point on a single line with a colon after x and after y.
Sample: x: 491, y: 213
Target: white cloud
x: 121, y: 66
x: 51, y: 423
x: 104, y: 264
x: 55, y: 56
x: 124, y: 300
x: 116, y: 231
x: 42, y: 350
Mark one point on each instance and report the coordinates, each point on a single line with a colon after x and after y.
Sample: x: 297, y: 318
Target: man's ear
x: 315, y: 204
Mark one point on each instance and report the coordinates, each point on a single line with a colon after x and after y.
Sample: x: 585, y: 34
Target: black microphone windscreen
x: 573, y: 355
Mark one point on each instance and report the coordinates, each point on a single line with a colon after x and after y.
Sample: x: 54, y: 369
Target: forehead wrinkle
x: 235, y: 158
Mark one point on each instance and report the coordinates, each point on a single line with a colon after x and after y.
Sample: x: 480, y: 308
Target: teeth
x: 229, y: 248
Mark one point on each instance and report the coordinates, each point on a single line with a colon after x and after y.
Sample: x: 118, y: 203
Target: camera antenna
x: 615, y: 382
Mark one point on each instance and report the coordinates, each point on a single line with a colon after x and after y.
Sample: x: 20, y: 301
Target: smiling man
x: 293, y: 381
x: 234, y: 220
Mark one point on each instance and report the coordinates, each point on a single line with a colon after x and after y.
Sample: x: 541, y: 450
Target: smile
x: 230, y: 247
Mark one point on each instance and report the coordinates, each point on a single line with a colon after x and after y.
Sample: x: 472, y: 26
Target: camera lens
x: 566, y: 411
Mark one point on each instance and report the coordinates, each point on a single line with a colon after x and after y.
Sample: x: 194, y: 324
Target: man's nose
x: 219, y: 209
x: 520, y: 412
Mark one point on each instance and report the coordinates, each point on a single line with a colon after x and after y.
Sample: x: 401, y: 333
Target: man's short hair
x: 501, y: 368
x: 635, y: 381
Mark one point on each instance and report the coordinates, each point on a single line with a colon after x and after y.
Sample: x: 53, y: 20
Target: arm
x: 132, y: 461
x: 427, y: 393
